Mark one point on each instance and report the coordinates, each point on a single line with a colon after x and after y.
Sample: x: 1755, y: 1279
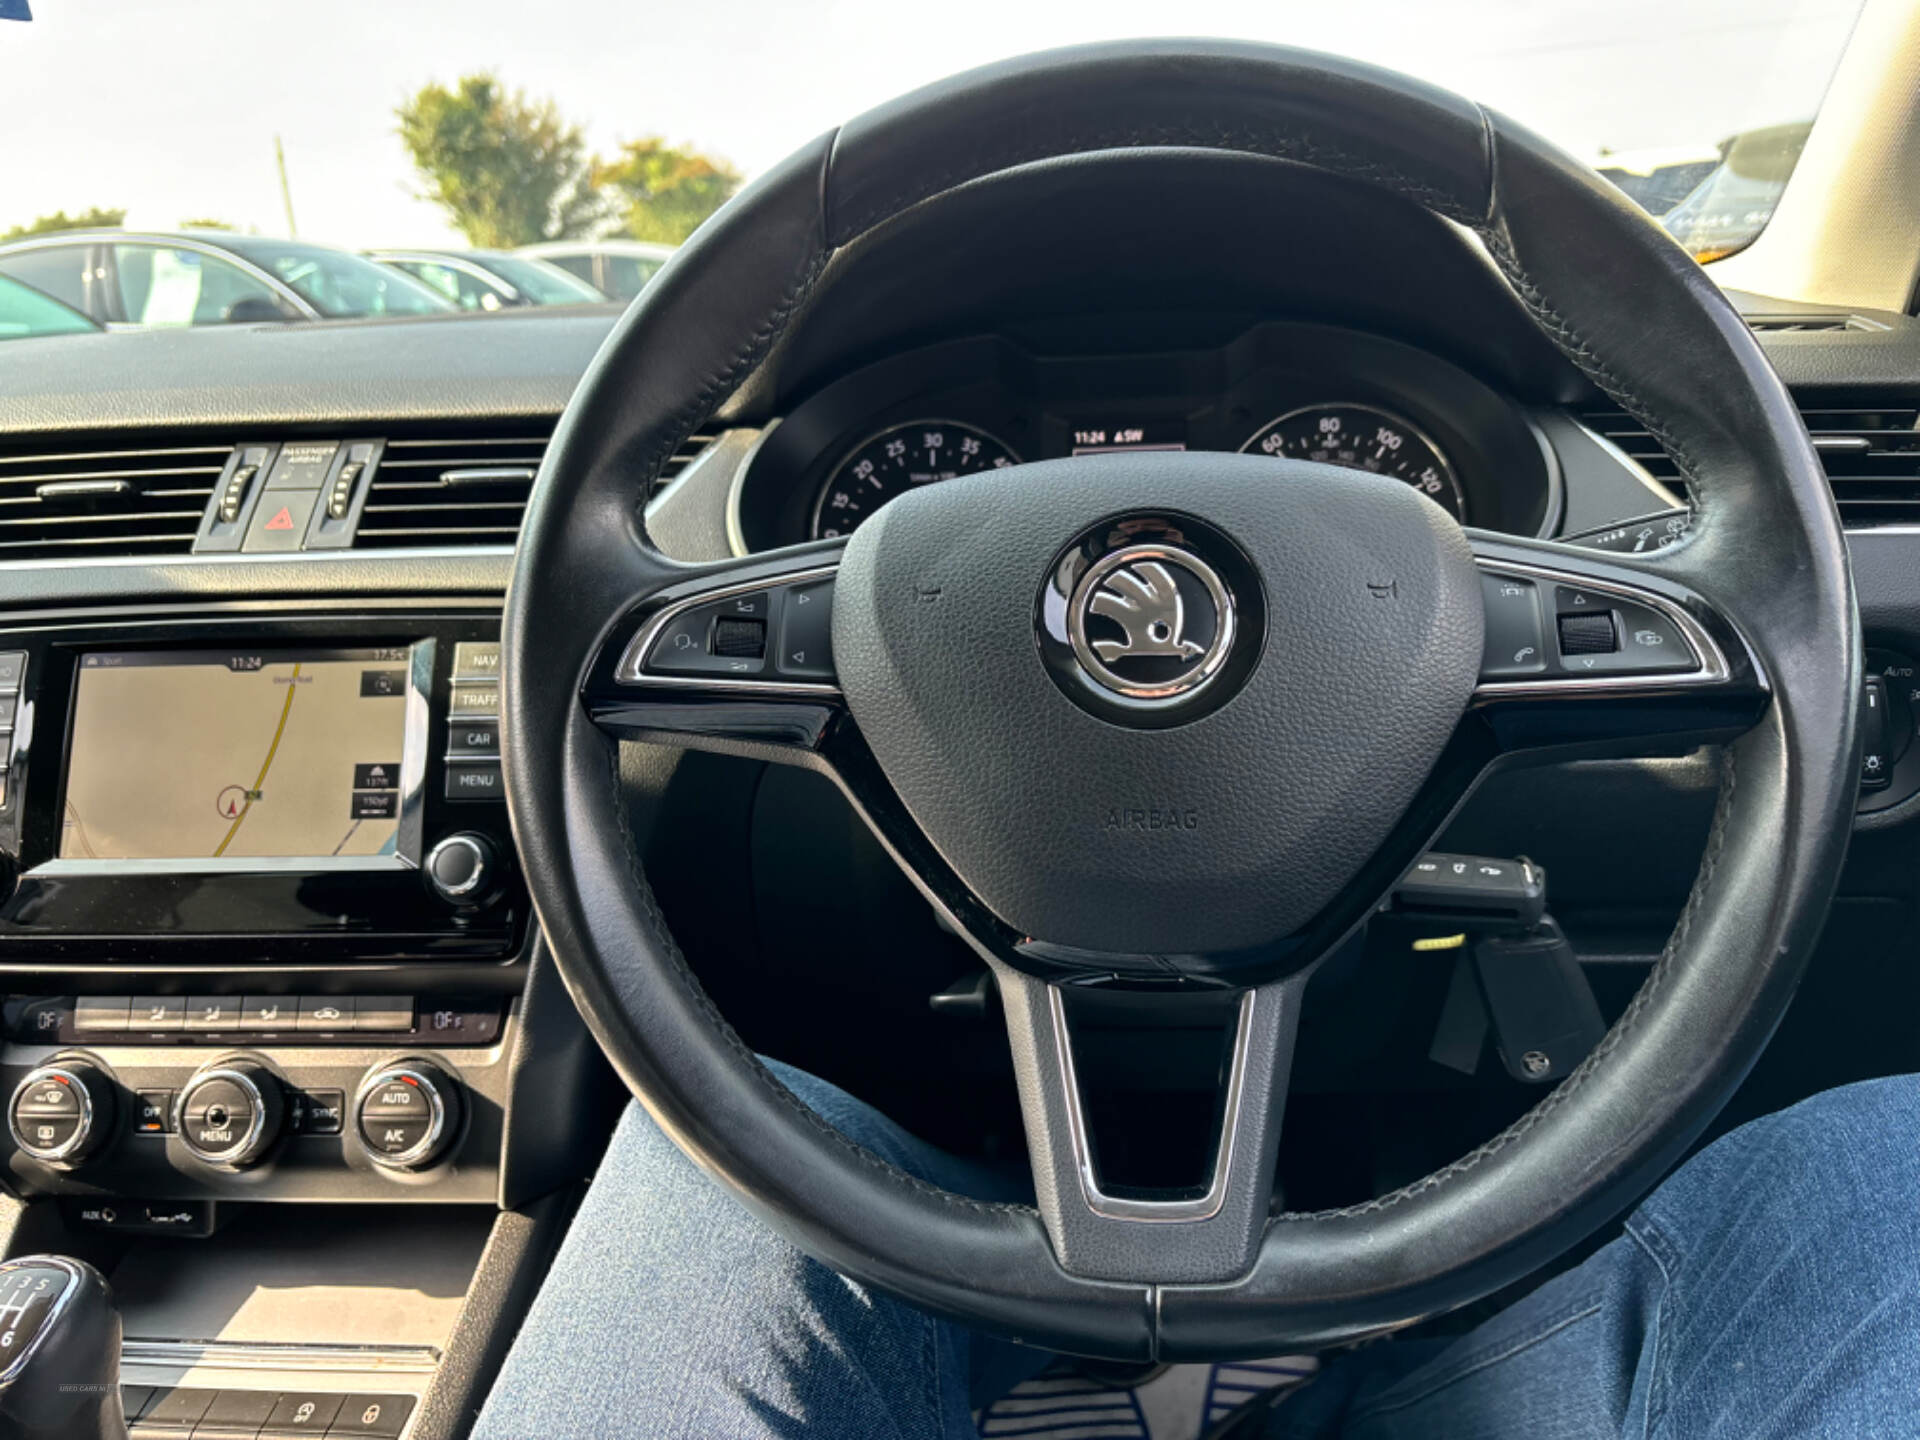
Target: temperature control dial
x: 231, y: 1113
x: 407, y: 1114
x: 62, y: 1112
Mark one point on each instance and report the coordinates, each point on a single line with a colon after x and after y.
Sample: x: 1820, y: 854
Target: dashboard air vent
x: 87, y: 503
x: 1871, y: 453
x: 1809, y: 322
x: 1873, y: 462
x: 463, y: 490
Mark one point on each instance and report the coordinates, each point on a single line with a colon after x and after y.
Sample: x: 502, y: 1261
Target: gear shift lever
x: 59, y: 1352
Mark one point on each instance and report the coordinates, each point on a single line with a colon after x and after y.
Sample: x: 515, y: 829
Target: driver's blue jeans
x: 1771, y: 1287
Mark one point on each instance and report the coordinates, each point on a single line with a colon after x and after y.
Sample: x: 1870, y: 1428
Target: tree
x: 506, y: 169
x: 663, y: 193
x: 60, y: 220
x: 207, y: 225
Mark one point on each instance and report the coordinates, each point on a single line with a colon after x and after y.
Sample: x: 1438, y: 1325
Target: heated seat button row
x: 782, y: 632
x: 236, y: 1014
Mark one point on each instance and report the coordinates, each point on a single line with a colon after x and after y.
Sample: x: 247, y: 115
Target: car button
x: 326, y: 1012
x: 478, y: 739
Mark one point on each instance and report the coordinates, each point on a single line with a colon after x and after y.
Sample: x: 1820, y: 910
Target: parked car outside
x: 149, y: 278
x: 25, y: 314
x: 619, y: 268
x: 489, y: 279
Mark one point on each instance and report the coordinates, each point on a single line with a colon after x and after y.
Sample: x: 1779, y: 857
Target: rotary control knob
x: 407, y: 1114
x: 61, y: 1112
x: 461, y: 868
x: 230, y: 1113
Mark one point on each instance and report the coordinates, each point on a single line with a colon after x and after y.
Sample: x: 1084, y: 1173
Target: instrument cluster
x: 1304, y: 392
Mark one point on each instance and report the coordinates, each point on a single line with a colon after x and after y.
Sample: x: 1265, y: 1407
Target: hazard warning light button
x: 280, y: 520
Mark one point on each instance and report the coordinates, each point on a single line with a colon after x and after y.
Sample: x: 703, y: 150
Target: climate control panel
x: 158, y: 1122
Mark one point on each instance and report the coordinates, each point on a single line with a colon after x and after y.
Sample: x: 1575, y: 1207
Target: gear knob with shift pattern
x: 59, y: 1352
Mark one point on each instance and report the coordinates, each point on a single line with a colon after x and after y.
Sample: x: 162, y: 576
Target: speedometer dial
x: 1363, y: 437
x: 898, y: 459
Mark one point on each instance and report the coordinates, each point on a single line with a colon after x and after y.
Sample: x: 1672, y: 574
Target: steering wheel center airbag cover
x: 1228, y: 831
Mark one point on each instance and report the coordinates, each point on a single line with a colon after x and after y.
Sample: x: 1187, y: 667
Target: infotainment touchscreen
x: 212, y: 758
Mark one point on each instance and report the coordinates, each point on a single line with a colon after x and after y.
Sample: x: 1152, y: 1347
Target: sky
x: 169, y: 108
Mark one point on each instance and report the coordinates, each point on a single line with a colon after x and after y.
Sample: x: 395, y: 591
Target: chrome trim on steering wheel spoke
x: 1114, y: 1207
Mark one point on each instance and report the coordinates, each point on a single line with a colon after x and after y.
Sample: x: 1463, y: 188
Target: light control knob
x: 230, y: 1113
x: 462, y: 868
x: 407, y: 1113
x: 62, y: 1112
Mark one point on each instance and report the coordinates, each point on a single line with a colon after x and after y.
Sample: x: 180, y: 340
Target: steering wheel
x: 1181, y: 720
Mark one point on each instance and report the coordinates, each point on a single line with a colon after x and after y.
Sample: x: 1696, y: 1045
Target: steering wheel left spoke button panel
x: 772, y: 634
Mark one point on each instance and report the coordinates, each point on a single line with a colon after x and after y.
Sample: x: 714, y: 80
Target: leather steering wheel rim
x: 1632, y: 311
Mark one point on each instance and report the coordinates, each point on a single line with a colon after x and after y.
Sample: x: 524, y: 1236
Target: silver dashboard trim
x: 1114, y: 1207
x: 736, y: 491
x: 631, y: 670
x: 273, y: 1355
x: 362, y: 557
x: 1712, y: 669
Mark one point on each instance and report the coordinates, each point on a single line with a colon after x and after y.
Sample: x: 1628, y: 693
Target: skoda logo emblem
x: 1152, y: 623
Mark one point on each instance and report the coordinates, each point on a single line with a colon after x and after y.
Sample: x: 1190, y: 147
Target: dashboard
x: 1312, y: 392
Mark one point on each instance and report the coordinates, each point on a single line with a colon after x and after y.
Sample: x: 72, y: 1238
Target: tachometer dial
x: 1362, y: 437
x: 898, y: 459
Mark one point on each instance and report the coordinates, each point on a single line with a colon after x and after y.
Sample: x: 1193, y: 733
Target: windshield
x: 626, y: 125
x: 336, y: 284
